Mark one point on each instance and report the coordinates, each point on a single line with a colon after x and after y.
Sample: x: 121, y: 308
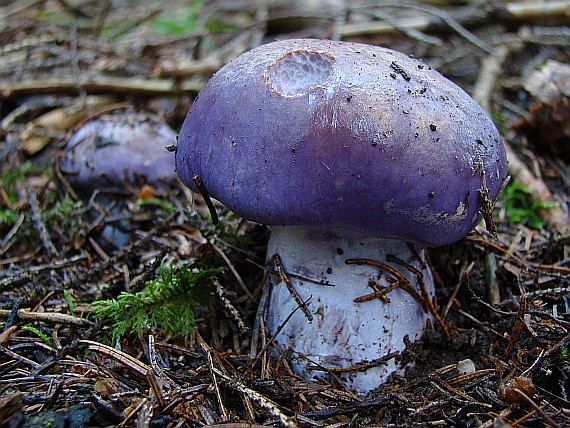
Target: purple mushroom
x: 114, y: 150
x: 357, y: 157
x: 120, y: 148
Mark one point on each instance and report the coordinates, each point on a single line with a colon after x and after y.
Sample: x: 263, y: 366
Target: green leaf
x: 38, y: 333
x: 69, y: 300
x: 165, y: 205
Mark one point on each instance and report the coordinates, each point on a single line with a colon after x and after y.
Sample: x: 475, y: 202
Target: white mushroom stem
x: 343, y: 333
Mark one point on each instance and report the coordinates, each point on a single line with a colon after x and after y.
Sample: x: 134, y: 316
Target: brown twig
x: 379, y: 293
x: 402, y: 281
x: 534, y: 267
x: 517, y: 329
x: 103, y: 85
x: 486, y: 206
x: 547, y: 419
x: 462, y: 277
x: 51, y: 317
x: 358, y: 367
x: 268, y: 343
x: 119, y: 356
x: 19, y: 358
x: 424, y: 299
x: 276, y: 261
x: 424, y: 293
x: 211, y: 355
x: 481, y: 324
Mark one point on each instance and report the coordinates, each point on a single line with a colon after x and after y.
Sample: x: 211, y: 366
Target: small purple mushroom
x: 357, y: 157
x: 115, y: 150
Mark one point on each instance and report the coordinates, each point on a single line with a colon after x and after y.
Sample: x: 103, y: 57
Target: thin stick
x: 491, y: 68
x: 481, y: 324
x: 215, y: 373
x: 4, y: 243
x: 202, y: 189
x: 425, y: 294
x: 462, y: 277
x: 259, y: 316
x: 377, y: 294
x: 40, y: 225
x: 18, y: 357
x: 547, y: 419
x: 119, y: 356
x: 265, y: 402
x: 486, y: 206
x: 517, y: 329
x: 153, y: 359
x: 235, y: 273
x: 285, y: 279
x: 403, y: 281
x: 230, y: 307
x: 103, y: 84
x: 410, y: 32
x: 52, y: 317
x: 270, y: 341
x: 358, y: 367
x: 422, y: 23
x: 12, y: 313
x: 530, y: 266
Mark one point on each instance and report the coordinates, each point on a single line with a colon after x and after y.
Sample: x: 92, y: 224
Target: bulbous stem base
x: 343, y: 333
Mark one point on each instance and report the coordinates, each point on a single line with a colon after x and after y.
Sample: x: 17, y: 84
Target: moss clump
x: 167, y: 302
x: 520, y: 208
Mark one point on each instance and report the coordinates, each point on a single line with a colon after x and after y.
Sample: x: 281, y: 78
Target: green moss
x: 166, y: 302
x: 170, y: 22
x: 9, y: 182
x: 520, y: 208
x: 189, y: 21
x: 63, y: 212
x: 56, y: 213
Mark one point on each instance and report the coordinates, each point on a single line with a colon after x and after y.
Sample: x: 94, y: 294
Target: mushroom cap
x: 113, y: 149
x: 336, y: 134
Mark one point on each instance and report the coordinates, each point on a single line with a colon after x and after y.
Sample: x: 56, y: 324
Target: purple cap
x: 112, y: 149
x: 334, y: 134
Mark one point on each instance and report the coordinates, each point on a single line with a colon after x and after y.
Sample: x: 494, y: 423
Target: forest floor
x: 159, y: 329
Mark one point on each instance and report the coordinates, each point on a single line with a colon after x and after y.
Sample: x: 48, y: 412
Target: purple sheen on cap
x: 335, y: 134
x: 116, y: 148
